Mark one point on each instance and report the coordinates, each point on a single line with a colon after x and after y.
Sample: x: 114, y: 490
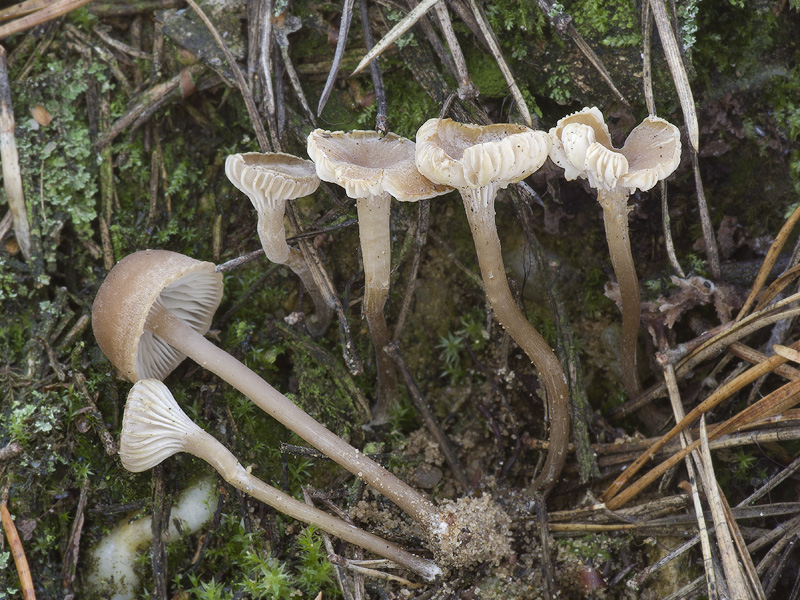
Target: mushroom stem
x: 615, y: 218
x: 479, y: 205
x: 373, y: 231
x: 219, y: 457
x: 183, y: 338
x: 272, y: 234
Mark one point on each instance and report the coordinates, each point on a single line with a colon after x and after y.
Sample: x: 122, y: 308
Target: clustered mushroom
x: 582, y: 147
x: 270, y: 180
x: 152, y: 311
x: 373, y: 169
x: 155, y: 306
x: 479, y: 161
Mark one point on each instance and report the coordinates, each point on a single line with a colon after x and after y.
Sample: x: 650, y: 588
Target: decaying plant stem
x: 12, y: 177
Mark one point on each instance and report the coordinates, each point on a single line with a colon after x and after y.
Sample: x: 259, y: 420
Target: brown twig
x: 51, y: 11
x: 18, y: 552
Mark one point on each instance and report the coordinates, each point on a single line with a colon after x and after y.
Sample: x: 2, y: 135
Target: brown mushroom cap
x: 190, y: 289
x: 271, y: 177
x: 467, y: 156
x: 366, y: 164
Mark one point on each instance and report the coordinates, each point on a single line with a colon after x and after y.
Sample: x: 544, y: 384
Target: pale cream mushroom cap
x: 653, y: 150
x: 190, y: 289
x: 467, y: 156
x: 582, y: 147
x: 272, y: 177
x: 366, y: 164
x: 154, y: 427
x: 592, y: 118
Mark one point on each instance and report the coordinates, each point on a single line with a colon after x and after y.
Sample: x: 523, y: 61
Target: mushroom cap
x: 582, y: 147
x: 272, y: 177
x: 366, y: 164
x: 154, y: 427
x: 190, y: 289
x: 468, y: 156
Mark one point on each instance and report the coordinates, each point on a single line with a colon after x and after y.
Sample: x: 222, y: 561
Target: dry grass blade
x: 466, y: 89
x: 772, y: 404
x: 394, y: 33
x: 721, y: 394
x: 12, y: 177
x: 681, y: 80
x: 734, y: 577
x: 341, y: 42
x: 777, y: 287
x: 769, y: 261
x: 18, y: 552
x: 497, y: 54
x: 732, y: 334
x: 241, y: 82
x: 705, y: 543
x: 48, y: 13
x: 675, y: 62
x: 23, y: 8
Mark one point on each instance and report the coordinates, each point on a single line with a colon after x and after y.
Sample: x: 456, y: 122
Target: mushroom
x: 372, y: 169
x: 269, y: 180
x: 154, y: 428
x: 153, y: 310
x: 582, y: 147
x: 478, y: 161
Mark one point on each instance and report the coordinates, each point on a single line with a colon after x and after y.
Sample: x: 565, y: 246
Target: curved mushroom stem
x: 376, y: 253
x: 186, y: 340
x: 272, y: 234
x: 615, y: 218
x: 219, y: 457
x: 479, y: 205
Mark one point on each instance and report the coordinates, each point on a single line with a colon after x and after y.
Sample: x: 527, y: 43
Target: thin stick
x: 241, y: 82
x: 466, y: 89
x: 423, y: 221
x: 720, y: 394
x: 497, y: 54
x: 18, y: 552
x: 705, y: 544
x: 341, y: 42
x: 48, y: 13
x: 769, y: 261
x: 774, y: 403
x: 675, y: 62
x: 381, y: 105
x: 12, y: 177
x: 563, y: 24
x: 265, y: 61
x: 394, y: 33
x: 730, y: 563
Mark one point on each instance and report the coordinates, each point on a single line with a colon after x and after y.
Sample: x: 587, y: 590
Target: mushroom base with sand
x: 472, y: 531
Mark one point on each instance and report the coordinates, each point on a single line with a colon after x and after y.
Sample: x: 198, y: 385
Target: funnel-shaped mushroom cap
x: 582, y: 147
x: 153, y: 427
x: 366, y: 164
x: 189, y: 289
x: 469, y: 156
x: 272, y: 177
